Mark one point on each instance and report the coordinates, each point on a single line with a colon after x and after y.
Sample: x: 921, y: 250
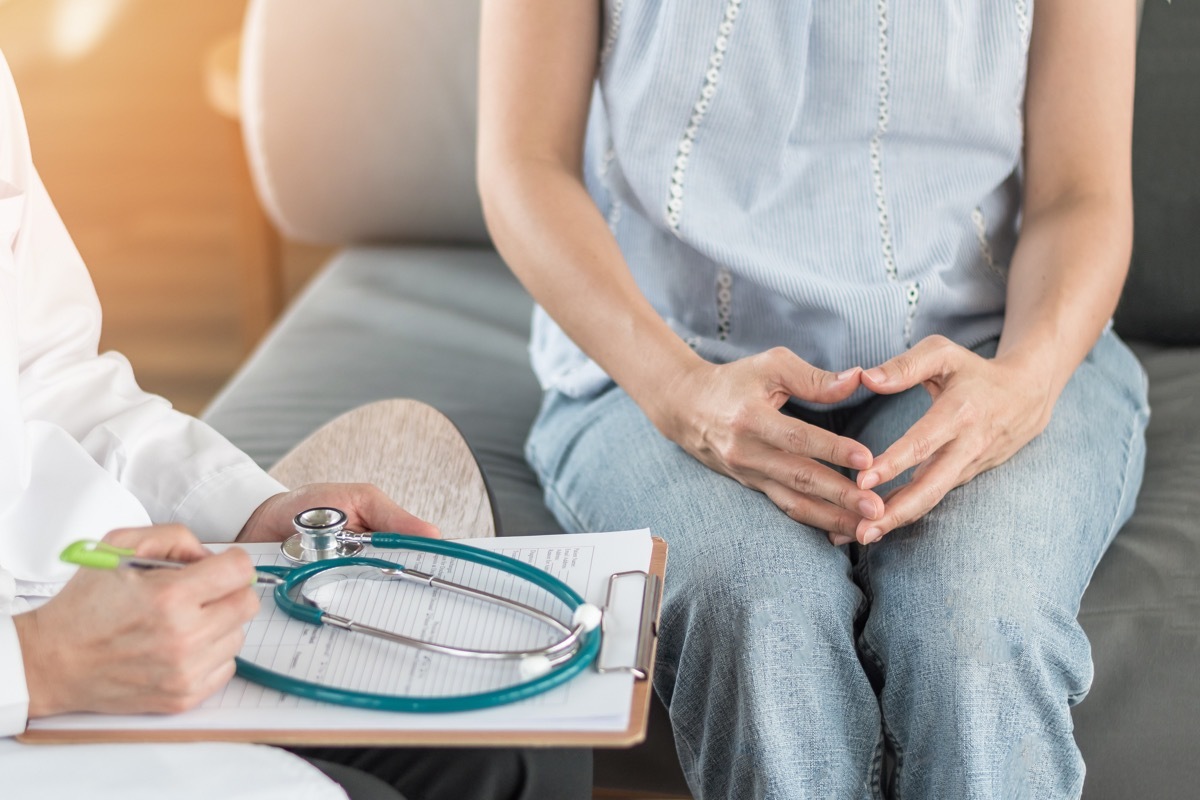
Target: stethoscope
x: 327, y: 553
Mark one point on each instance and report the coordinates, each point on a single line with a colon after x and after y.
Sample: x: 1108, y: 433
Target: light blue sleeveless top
x: 839, y: 177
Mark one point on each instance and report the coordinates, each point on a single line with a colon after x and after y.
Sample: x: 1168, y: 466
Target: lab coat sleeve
x: 14, y: 694
x: 180, y: 469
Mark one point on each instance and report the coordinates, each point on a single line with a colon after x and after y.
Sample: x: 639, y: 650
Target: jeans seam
x: 877, y: 760
x: 566, y: 507
x: 885, y: 730
x: 1124, y: 495
x: 876, y: 776
x: 898, y: 750
x: 1140, y: 418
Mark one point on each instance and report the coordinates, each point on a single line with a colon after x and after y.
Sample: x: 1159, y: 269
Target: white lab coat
x: 83, y: 450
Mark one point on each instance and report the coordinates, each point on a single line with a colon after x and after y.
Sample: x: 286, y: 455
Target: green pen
x: 100, y: 555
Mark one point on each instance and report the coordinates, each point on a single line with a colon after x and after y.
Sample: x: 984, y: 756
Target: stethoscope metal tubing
x: 566, y: 657
x: 568, y: 643
x: 449, y: 650
x: 571, y: 635
x: 480, y: 594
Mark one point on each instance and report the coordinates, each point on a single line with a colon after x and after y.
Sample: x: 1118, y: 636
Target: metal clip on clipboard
x: 647, y: 625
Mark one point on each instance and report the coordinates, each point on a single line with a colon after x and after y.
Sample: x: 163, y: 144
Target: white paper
x: 327, y: 655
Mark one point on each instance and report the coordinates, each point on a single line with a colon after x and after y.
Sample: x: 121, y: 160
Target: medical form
x: 590, y: 702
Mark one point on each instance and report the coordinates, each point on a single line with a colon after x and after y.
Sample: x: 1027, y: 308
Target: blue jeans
x: 790, y: 666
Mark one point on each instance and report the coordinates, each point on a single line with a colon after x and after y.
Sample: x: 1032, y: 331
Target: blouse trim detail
x: 876, y: 145
x: 614, y: 27
x: 605, y: 165
x: 1023, y: 24
x: 614, y: 215
x: 1024, y: 28
x: 709, y: 90
x: 614, y: 203
x: 724, y: 303
x: 912, y: 295
x: 985, y: 247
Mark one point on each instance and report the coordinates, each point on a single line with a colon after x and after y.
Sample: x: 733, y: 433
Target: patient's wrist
x: 666, y: 397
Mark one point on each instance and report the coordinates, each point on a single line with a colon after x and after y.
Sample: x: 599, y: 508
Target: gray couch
x: 359, y: 120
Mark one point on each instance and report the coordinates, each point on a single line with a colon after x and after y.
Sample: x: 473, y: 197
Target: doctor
x: 85, y: 453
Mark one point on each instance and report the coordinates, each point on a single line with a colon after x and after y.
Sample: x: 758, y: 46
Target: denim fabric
x: 789, y: 665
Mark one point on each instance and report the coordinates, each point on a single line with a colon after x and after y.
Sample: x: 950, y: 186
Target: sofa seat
x: 1139, y: 726
x: 447, y: 326
x: 450, y: 326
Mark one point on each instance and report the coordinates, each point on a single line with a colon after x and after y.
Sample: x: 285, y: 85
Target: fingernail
x: 876, y: 375
x: 866, y: 508
x: 847, y: 375
x: 860, y: 460
x: 839, y: 539
x: 872, y: 535
x: 868, y: 480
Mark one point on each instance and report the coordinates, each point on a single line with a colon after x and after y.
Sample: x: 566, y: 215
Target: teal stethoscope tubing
x: 584, y: 656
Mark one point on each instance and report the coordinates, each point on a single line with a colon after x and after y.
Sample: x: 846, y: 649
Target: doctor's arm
x: 130, y: 641
x: 179, y: 468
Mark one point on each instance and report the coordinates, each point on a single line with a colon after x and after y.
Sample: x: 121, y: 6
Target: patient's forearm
x: 1064, y: 283
x: 555, y: 240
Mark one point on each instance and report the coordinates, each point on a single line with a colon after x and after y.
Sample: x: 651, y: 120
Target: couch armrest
x: 359, y: 118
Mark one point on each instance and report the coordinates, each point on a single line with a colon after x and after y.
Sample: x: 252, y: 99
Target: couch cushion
x: 359, y: 118
x: 1162, y: 295
x: 1138, y: 727
x: 449, y: 327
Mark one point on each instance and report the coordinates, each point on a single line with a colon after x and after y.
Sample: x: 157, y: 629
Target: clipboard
x: 635, y: 733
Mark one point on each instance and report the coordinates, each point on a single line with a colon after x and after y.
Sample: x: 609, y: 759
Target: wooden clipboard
x: 634, y: 734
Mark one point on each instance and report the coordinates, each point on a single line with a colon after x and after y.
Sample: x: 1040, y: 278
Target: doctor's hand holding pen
x: 136, y: 641
x: 163, y: 640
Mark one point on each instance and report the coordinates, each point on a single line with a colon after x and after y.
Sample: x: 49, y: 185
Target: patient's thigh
x: 1041, y: 520
x: 736, y: 562
x: 972, y: 619
x: 604, y: 466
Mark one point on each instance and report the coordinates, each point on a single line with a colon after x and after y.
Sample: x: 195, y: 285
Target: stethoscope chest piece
x: 320, y: 535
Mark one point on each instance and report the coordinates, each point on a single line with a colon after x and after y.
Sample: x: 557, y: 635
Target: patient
x: 824, y: 291
x: 84, y: 453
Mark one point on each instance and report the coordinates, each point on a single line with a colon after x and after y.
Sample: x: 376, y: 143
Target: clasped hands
x: 983, y: 411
